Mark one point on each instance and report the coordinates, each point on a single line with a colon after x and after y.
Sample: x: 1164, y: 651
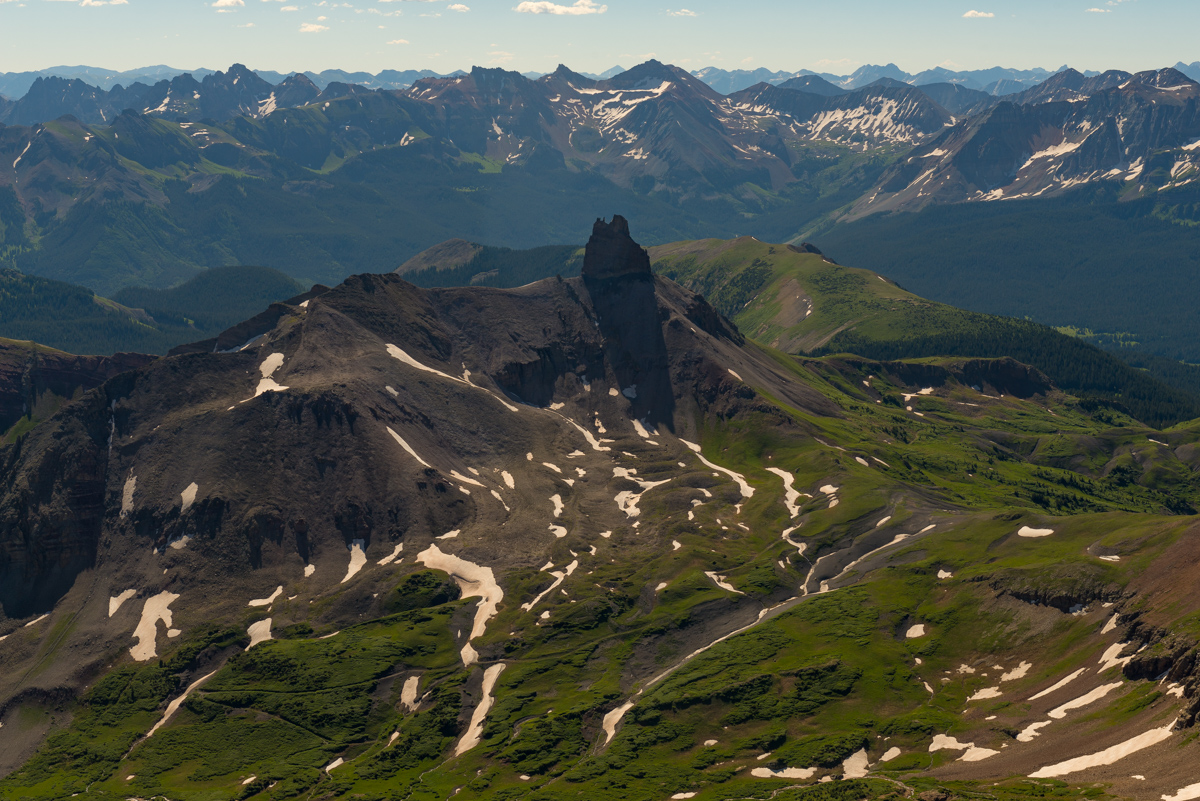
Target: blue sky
x: 593, y: 35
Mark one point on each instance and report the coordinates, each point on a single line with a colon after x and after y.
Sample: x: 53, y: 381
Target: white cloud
x: 683, y: 12
x: 398, y: 41
x: 500, y: 57
x: 546, y: 7
x: 289, y: 8
x: 1099, y: 11
x: 972, y: 14
x: 312, y: 27
x: 228, y: 3
x: 457, y: 7
x: 96, y: 3
x: 247, y: 25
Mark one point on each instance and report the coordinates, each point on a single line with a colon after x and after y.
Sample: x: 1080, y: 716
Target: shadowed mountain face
x: 616, y: 272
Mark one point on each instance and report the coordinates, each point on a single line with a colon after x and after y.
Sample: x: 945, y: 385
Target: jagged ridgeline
x: 583, y: 538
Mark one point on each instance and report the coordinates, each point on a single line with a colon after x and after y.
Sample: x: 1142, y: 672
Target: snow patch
x: 259, y: 632
x: 393, y: 556
x: 792, y: 495
x: 268, y: 368
x: 269, y: 599
x: 722, y: 583
x: 1060, y: 685
x: 1106, y: 757
x: 978, y: 754
x: 1034, y: 533
x: 115, y: 602
x: 1032, y: 731
x: 915, y: 632
x: 407, y: 447
x: 1083, y: 700
x: 127, y: 494
x: 408, y: 694
x: 559, y: 577
x: 173, y: 707
x: 1188, y: 793
x: 1110, y: 658
x: 1019, y: 672
x: 188, y: 497
x: 155, y: 609
x: 856, y: 766
x: 472, y: 579
x: 474, y: 732
x: 358, y: 559
x: 747, y: 490
x: 943, y: 742
x: 400, y: 355
x: 786, y: 773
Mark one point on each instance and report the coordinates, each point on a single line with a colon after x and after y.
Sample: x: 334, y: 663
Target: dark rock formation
x: 29, y: 372
x: 612, y: 253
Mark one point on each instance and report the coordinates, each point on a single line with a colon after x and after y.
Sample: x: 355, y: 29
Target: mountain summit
x: 612, y: 253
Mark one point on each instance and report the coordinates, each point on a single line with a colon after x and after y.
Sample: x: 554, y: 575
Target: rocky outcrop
x: 29, y: 372
x: 612, y: 253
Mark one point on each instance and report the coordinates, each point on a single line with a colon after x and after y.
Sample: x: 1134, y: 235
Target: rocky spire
x: 612, y: 253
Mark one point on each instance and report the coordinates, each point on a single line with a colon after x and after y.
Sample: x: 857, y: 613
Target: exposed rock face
x: 28, y: 372
x: 612, y: 253
x: 616, y: 271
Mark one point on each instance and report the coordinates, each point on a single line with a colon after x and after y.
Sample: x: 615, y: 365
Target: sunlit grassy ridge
x: 801, y: 302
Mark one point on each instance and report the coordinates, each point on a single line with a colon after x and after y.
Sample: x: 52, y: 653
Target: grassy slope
x: 810, y: 685
x: 767, y: 290
x: 1125, y: 269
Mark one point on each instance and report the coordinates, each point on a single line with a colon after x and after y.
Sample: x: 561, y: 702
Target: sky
x: 834, y: 36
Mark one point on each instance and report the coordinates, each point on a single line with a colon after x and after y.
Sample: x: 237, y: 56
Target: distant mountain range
x: 995, y: 81
x: 148, y: 185
x: 15, y: 84
x: 1140, y: 130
